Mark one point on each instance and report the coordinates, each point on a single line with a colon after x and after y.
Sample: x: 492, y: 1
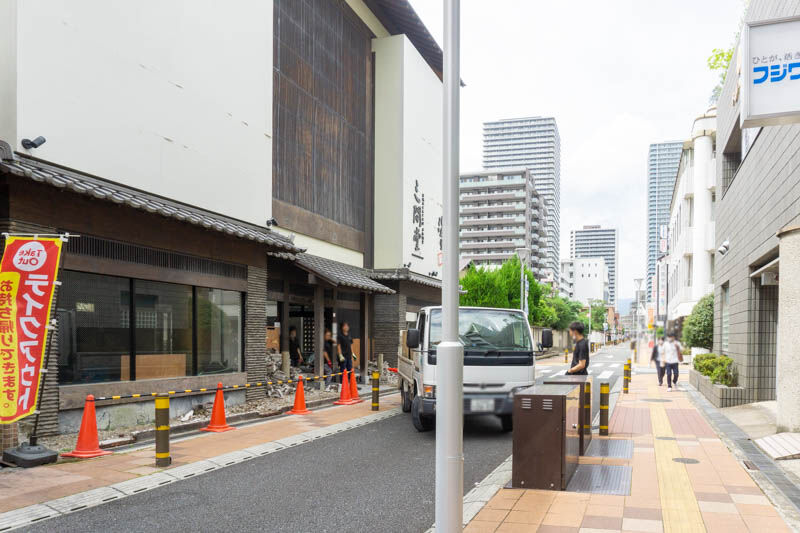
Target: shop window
x: 219, y: 331
x: 163, y: 330
x: 93, y: 331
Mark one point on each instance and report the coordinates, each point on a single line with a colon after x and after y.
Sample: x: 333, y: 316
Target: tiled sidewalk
x: 709, y: 490
x: 23, y: 487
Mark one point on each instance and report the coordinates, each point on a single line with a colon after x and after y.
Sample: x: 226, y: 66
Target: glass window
x: 219, y: 331
x: 163, y: 330
x: 93, y: 334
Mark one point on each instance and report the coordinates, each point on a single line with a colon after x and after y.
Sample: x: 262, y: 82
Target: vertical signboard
x: 663, y: 272
x: 27, y: 279
x: 770, y: 71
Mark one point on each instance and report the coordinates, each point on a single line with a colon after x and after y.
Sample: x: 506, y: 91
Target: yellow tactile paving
x: 679, y: 508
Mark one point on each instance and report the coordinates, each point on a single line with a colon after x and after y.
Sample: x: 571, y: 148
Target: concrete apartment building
x: 596, y: 241
x: 591, y: 280
x: 174, y: 154
x: 532, y: 143
x: 566, y: 286
x: 500, y: 211
x: 757, y: 280
x: 662, y: 166
x: 691, y: 224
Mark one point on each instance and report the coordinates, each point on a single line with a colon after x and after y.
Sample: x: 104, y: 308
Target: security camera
x: 724, y: 248
x: 36, y: 143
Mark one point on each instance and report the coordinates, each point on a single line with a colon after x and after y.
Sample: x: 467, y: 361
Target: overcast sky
x: 617, y: 76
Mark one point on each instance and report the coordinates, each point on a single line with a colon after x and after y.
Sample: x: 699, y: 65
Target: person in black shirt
x: 327, y: 353
x: 295, y: 354
x: 345, y: 348
x: 580, y: 357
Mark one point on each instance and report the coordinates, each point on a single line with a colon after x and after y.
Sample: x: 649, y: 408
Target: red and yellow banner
x: 27, y: 278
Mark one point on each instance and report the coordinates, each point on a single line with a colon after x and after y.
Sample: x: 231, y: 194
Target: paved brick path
x: 714, y: 494
x: 23, y: 487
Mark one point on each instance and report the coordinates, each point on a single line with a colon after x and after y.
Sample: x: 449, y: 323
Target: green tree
x: 719, y: 61
x: 698, y: 329
x: 598, y: 315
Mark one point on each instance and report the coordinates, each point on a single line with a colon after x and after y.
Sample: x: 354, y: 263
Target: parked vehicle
x: 499, y: 359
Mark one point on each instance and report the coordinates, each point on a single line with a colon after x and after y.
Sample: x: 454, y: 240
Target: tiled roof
x: 404, y: 274
x: 340, y: 274
x: 120, y: 194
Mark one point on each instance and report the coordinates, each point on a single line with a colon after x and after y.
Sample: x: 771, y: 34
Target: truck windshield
x: 486, y: 330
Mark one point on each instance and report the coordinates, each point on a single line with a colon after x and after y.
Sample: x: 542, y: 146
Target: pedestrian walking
x: 580, y: 357
x: 657, y: 357
x: 327, y: 353
x: 672, y: 357
x: 345, y: 348
x: 295, y: 353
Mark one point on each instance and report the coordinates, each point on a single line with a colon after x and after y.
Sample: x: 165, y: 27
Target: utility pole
x: 450, y: 378
x: 523, y: 301
x: 638, y: 282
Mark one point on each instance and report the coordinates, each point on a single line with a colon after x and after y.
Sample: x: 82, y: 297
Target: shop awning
x: 404, y: 274
x: 120, y: 194
x: 340, y: 274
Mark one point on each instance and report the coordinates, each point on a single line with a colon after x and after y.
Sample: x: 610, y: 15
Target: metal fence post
x: 604, y: 394
x: 376, y: 379
x: 162, y: 431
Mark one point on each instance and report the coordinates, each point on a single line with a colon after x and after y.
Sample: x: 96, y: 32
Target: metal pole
x: 450, y: 376
x: 376, y: 380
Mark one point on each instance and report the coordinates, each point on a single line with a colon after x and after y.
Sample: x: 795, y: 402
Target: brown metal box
x: 586, y: 399
x: 546, y: 437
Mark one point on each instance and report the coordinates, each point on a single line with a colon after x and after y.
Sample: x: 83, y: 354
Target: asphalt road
x: 379, y: 477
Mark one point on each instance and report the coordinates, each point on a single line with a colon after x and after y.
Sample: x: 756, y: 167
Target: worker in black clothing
x: 327, y: 353
x: 295, y: 354
x: 580, y: 357
x: 345, y: 342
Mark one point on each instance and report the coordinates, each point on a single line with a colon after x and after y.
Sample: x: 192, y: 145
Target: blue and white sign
x: 770, y: 72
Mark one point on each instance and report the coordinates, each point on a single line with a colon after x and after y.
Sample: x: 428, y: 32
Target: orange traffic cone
x: 218, y: 424
x: 354, y: 388
x: 300, y: 399
x: 344, y: 391
x: 88, y: 443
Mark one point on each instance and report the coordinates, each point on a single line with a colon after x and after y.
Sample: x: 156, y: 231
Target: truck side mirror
x: 547, y: 338
x: 412, y: 338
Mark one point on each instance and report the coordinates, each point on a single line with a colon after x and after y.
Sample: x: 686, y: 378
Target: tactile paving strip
x: 90, y: 498
x: 616, y: 448
x: 601, y: 479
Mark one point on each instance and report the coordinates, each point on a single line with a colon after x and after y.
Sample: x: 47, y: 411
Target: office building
x: 499, y: 212
x: 757, y: 270
x: 595, y: 241
x: 532, y: 143
x: 662, y: 165
x: 591, y: 280
x: 690, y: 262
x: 566, y: 286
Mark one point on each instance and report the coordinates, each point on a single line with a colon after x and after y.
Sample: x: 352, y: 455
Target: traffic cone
x: 300, y: 399
x: 354, y: 389
x: 218, y: 423
x: 88, y: 444
x: 344, y: 391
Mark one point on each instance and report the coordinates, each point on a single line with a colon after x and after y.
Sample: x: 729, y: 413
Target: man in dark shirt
x: 345, y: 342
x: 327, y: 353
x: 580, y: 357
x: 295, y: 354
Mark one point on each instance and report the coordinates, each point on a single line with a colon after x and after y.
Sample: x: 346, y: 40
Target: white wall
x: 591, y: 279
x: 174, y: 98
x: 408, y: 149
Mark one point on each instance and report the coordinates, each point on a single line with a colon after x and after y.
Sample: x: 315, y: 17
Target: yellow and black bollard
x: 626, y: 379
x: 566, y: 355
x: 604, y: 393
x: 587, y: 406
x: 376, y: 380
x: 162, y: 431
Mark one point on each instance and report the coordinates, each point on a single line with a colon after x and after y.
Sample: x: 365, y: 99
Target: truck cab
x: 499, y: 359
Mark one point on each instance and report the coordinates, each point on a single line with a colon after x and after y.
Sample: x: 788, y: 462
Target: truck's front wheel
x: 405, y: 396
x: 421, y: 423
x: 507, y: 422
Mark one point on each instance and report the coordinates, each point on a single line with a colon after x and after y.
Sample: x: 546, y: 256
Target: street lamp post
x: 450, y: 374
x: 638, y: 282
x: 523, y: 255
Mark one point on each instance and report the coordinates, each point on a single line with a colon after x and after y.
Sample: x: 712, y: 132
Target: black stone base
x: 27, y: 456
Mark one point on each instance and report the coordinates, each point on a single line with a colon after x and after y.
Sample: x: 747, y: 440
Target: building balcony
x: 490, y: 182
x: 492, y: 233
x: 710, y: 237
x: 487, y: 257
x: 469, y: 245
x: 491, y: 196
x: 473, y: 210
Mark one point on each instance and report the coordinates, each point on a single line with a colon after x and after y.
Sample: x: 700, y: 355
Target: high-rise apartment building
x: 533, y: 143
x: 662, y: 167
x: 500, y: 211
x: 595, y: 241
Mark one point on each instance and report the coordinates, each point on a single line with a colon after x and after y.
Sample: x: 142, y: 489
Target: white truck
x: 499, y: 359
